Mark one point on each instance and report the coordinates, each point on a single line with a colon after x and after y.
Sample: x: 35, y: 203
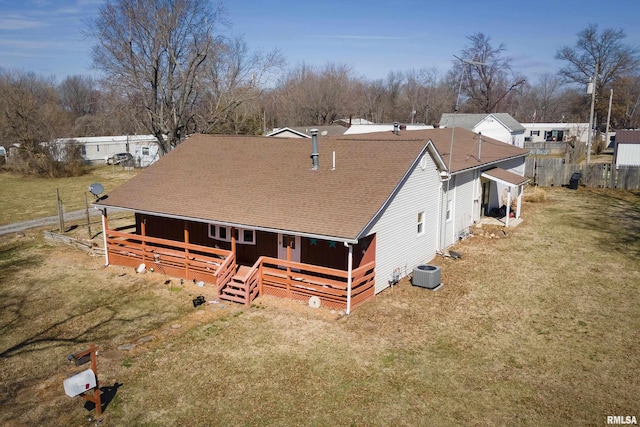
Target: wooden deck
x: 242, y: 284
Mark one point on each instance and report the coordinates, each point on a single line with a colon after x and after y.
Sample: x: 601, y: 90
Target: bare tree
x: 232, y: 78
x: 488, y: 84
x: 372, y: 101
x: 31, y: 117
x: 155, y: 51
x: 78, y: 95
x: 615, y: 62
x: 316, y: 97
x: 613, y: 58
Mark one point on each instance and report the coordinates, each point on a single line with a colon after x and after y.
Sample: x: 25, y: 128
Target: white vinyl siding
x: 447, y: 205
x: 628, y: 155
x: 398, y: 244
x: 463, y: 203
x: 514, y: 165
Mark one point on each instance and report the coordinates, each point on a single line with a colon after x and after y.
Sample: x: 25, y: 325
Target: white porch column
x: 104, y: 236
x: 519, y: 205
x: 508, y: 206
x: 349, y: 274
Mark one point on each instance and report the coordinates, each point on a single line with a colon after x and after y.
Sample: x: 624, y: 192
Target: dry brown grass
x: 535, y: 195
x: 538, y: 327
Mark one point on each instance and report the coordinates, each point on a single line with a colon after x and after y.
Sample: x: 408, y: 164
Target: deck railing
x: 298, y: 281
x: 174, y: 258
x: 268, y: 276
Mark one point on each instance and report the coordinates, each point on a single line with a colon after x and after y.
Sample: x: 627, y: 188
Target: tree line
x: 169, y: 70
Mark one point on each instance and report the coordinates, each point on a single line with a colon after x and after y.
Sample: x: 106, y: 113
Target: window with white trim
x: 449, y: 210
x: 220, y: 232
x: 223, y: 233
x: 145, y: 151
x: 421, y: 222
x: 247, y: 237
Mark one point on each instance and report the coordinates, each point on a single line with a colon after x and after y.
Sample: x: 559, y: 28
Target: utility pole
x: 593, y: 104
x: 606, y: 140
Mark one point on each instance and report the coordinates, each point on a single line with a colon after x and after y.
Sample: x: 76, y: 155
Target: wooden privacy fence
x: 550, y: 172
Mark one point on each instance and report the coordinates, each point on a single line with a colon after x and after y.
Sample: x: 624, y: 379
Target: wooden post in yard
x: 86, y: 207
x: 60, y: 213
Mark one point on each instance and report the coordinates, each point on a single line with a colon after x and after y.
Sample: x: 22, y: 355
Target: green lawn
x: 24, y: 198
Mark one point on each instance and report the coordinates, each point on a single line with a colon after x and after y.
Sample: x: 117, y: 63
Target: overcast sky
x: 373, y: 37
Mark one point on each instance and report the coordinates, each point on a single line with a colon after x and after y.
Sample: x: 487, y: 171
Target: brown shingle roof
x: 267, y: 183
x: 465, y: 148
x: 506, y: 176
x: 628, y: 137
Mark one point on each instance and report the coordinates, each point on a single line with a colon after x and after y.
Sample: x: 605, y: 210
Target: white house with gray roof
x: 500, y: 126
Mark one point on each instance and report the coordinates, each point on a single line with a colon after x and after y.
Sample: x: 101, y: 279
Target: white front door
x: 285, y: 240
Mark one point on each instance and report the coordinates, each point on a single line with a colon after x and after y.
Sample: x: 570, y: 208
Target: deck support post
x: 105, y: 225
x: 349, y: 275
x: 186, y: 251
x: 143, y: 234
x: 289, y: 267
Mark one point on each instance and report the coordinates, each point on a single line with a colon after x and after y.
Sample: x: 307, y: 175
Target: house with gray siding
x: 253, y: 215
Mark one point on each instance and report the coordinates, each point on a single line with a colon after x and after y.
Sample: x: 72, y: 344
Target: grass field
x: 24, y: 198
x: 539, y: 327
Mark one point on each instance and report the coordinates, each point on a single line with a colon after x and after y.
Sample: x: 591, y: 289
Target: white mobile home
x: 97, y: 149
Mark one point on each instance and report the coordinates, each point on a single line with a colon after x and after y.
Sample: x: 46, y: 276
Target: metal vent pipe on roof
x: 314, y: 149
x: 479, y: 144
x: 395, y: 128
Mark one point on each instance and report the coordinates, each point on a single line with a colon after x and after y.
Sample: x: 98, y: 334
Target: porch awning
x: 505, y: 177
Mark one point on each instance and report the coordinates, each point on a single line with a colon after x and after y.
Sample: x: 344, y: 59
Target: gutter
x: 353, y: 241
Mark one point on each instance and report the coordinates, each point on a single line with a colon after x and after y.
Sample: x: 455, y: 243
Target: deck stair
x: 242, y: 286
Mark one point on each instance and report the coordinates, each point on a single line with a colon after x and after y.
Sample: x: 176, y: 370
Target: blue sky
x: 373, y: 36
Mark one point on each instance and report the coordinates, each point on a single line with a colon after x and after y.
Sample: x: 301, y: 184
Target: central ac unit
x: 426, y: 276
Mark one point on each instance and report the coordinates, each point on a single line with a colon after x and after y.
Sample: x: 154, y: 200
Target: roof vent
x: 395, y: 128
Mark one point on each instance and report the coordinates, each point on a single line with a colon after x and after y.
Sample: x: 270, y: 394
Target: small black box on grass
x: 199, y: 300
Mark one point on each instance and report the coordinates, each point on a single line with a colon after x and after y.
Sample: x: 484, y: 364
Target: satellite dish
x: 96, y: 189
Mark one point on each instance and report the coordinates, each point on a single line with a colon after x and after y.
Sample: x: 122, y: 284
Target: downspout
x: 349, y: 277
x: 104, y: 236
x: 508, y: 206
x: 440, y: 207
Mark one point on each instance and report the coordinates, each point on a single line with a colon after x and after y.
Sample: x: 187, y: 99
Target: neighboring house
x: 555, y: 132
x: 371, y: 128
x: 305, y: 131
x: 97, y: 149
x: 334, y: 130
x: 251, y: 216
x: 627, y: 148
x: 351, y: 121
x: 500, y: 126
